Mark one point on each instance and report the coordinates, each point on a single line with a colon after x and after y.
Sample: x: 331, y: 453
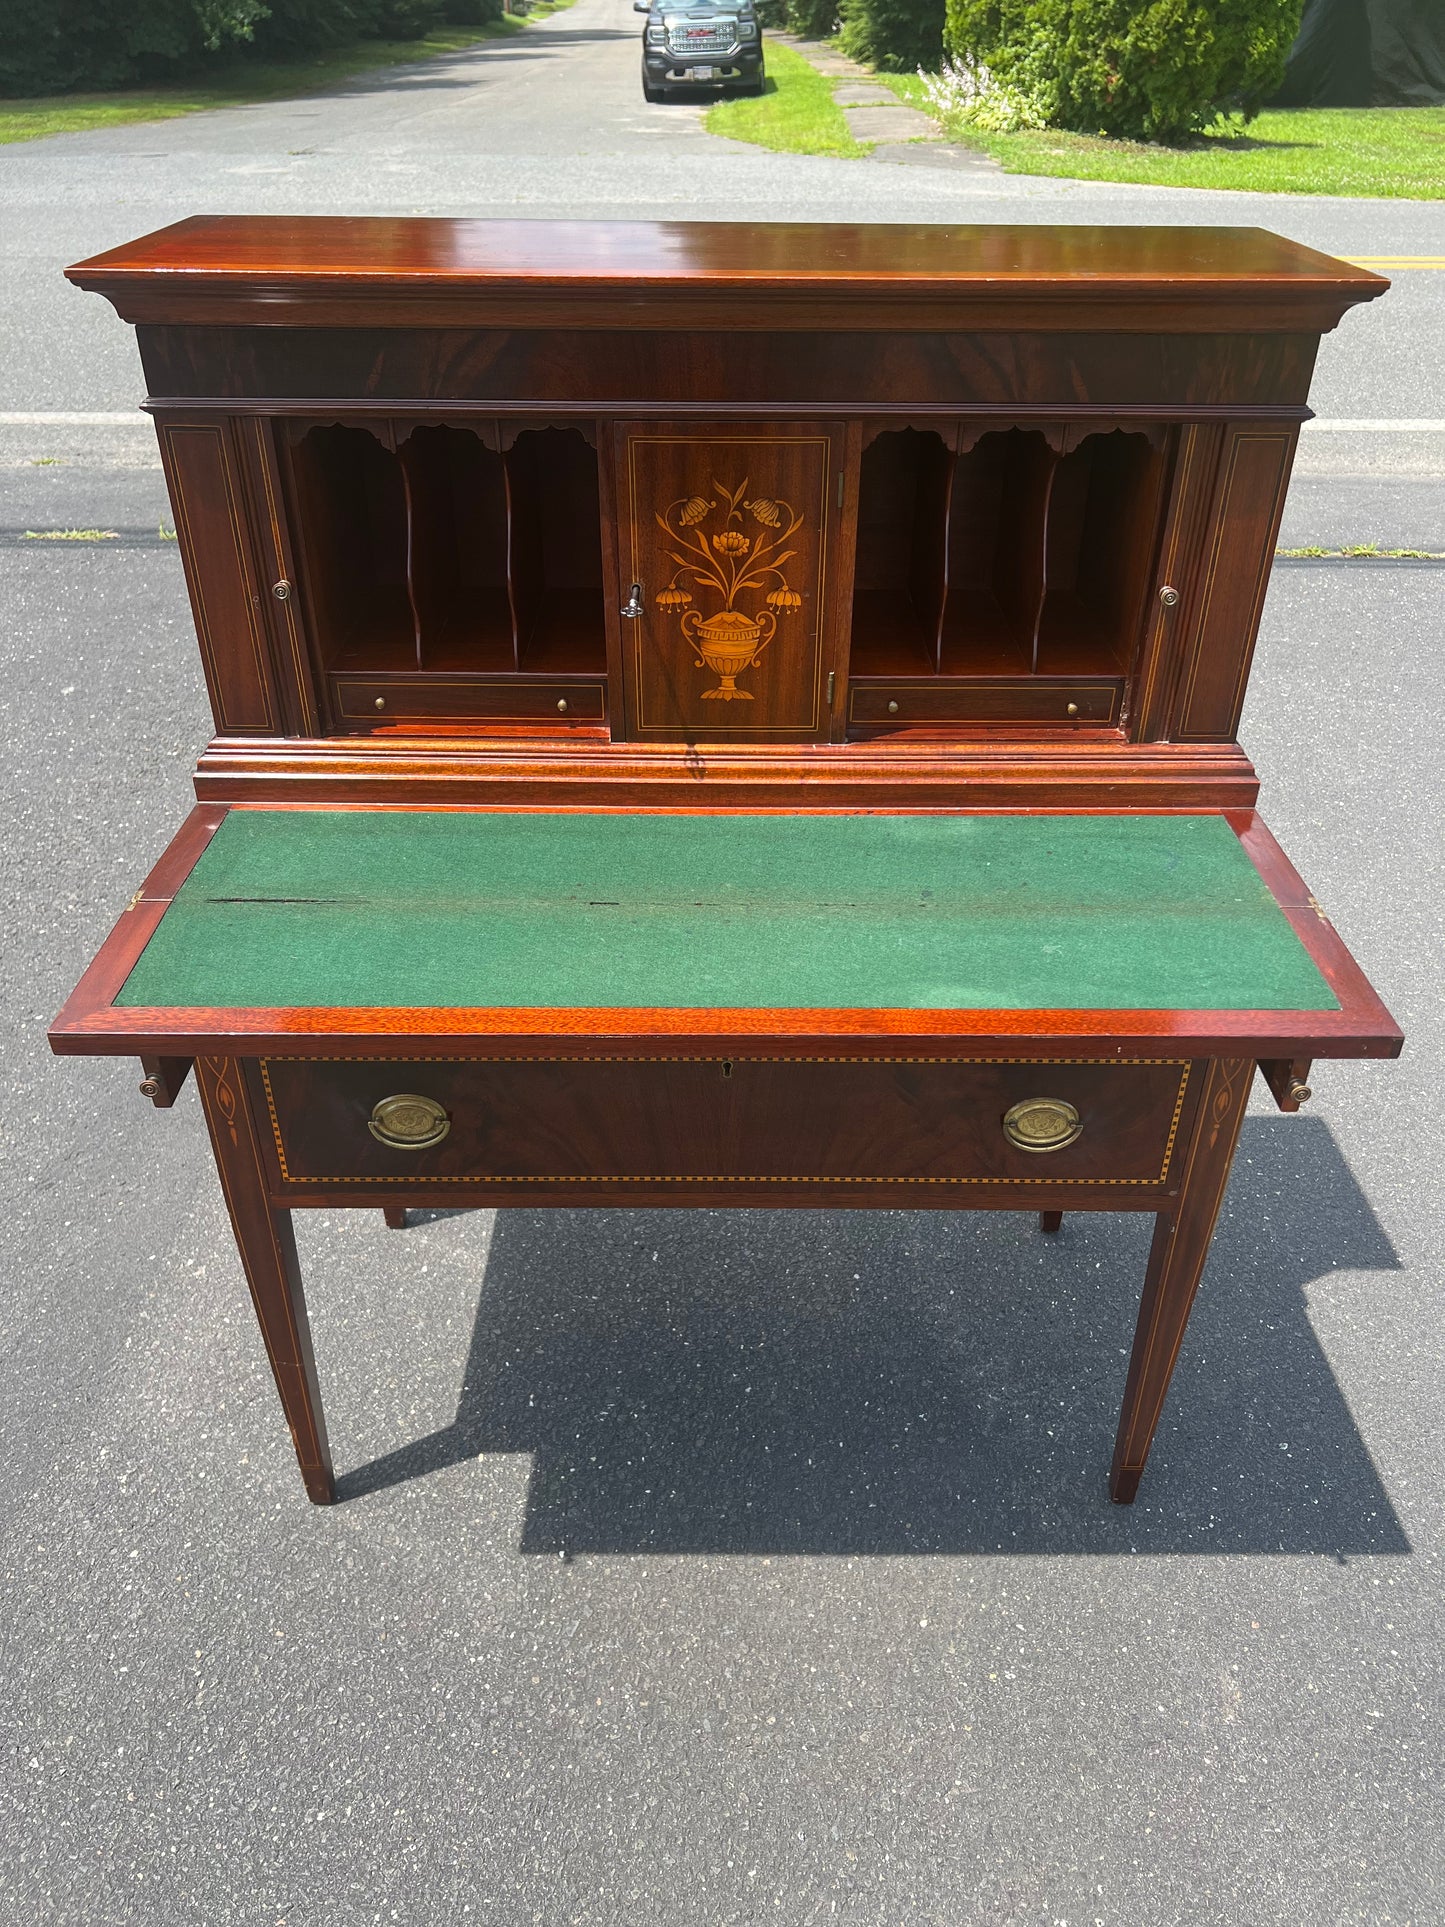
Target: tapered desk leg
x: 268, y: 1254
x: 1176, y: 1263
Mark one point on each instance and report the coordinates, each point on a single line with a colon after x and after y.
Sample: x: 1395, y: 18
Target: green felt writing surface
x: 410, y: 909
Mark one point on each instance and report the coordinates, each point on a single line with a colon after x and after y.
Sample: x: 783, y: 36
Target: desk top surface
x: 483, y: 933
x: 292, y: 909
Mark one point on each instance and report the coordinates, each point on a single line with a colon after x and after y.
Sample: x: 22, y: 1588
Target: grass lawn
x: 796, y: 115
x: 1391, y: 152
x: 242, y: 81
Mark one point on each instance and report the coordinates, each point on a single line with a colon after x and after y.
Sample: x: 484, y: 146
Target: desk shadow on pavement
x: 917, y: 1382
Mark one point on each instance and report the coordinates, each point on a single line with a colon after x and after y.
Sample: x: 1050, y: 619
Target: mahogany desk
x: 725, y: 716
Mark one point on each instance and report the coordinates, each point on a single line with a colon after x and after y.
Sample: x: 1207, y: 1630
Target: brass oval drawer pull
x: 1042, y: 1124
x: 407, y: 1122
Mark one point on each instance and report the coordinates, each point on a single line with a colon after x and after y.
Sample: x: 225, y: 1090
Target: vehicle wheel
x: 752, y: 88
x: 650, y: 93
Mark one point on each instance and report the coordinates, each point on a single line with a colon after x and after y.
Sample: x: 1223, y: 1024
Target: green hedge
x: 1144, y: 69
x: 62, y: 46
x: 895, y: 36
x: 53, y: 46
x: 813, y: 19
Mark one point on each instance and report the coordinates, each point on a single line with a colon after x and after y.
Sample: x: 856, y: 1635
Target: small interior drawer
x: 376, y: 700
x: 983, y: 699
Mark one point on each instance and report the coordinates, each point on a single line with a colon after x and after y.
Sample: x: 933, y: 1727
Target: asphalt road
x: 700, y: 1567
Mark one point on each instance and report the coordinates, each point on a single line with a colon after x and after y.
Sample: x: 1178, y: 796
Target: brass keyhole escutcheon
x: 1042, y: 1124
x: 407, y: 1122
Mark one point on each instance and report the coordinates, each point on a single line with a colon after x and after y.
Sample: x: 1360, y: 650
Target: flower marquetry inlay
x: 720, y: 557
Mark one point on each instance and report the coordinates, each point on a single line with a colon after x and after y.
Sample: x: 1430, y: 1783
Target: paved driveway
x: 699, y: 1567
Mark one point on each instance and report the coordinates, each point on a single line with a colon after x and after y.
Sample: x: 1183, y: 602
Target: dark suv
x: 700, y: 43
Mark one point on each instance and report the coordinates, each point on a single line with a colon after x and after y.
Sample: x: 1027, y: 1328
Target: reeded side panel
x: 1254, y: 471
x: 210, y: 523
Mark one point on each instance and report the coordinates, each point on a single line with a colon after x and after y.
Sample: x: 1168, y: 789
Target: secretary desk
x: 725, y: 715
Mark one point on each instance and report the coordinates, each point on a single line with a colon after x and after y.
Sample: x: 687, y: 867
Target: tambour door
x: 726, y: 542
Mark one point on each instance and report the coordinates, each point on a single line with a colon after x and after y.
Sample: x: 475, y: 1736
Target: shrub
x: 813, y: 19
x: 471, y: 13
x: 298, y: 27
x: 1144, y: 69
x: 58, y: 46
x: 49, y: 46
x: 895, y: 36
x: 966, y: 90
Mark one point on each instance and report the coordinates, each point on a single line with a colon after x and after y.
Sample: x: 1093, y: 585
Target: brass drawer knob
x: 1072, y: 710
x: 1042, y: 1124
x: 892, y: 709
x: 407, y: 1122
x: 380, y: 703
x: 562, y: 704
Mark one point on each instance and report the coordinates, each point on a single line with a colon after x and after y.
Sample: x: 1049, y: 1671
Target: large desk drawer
x: 768, y: 1120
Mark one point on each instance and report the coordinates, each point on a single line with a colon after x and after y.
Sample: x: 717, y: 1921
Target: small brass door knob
x: 407, y: 1122
x: 1168, y: 596
x: 281, y: 590
x: 1042, y: 1124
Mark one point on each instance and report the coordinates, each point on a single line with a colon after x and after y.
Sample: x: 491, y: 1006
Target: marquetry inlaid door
x: 724, y: 550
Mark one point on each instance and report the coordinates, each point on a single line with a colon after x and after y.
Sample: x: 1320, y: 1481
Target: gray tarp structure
x: 1367, y: 53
